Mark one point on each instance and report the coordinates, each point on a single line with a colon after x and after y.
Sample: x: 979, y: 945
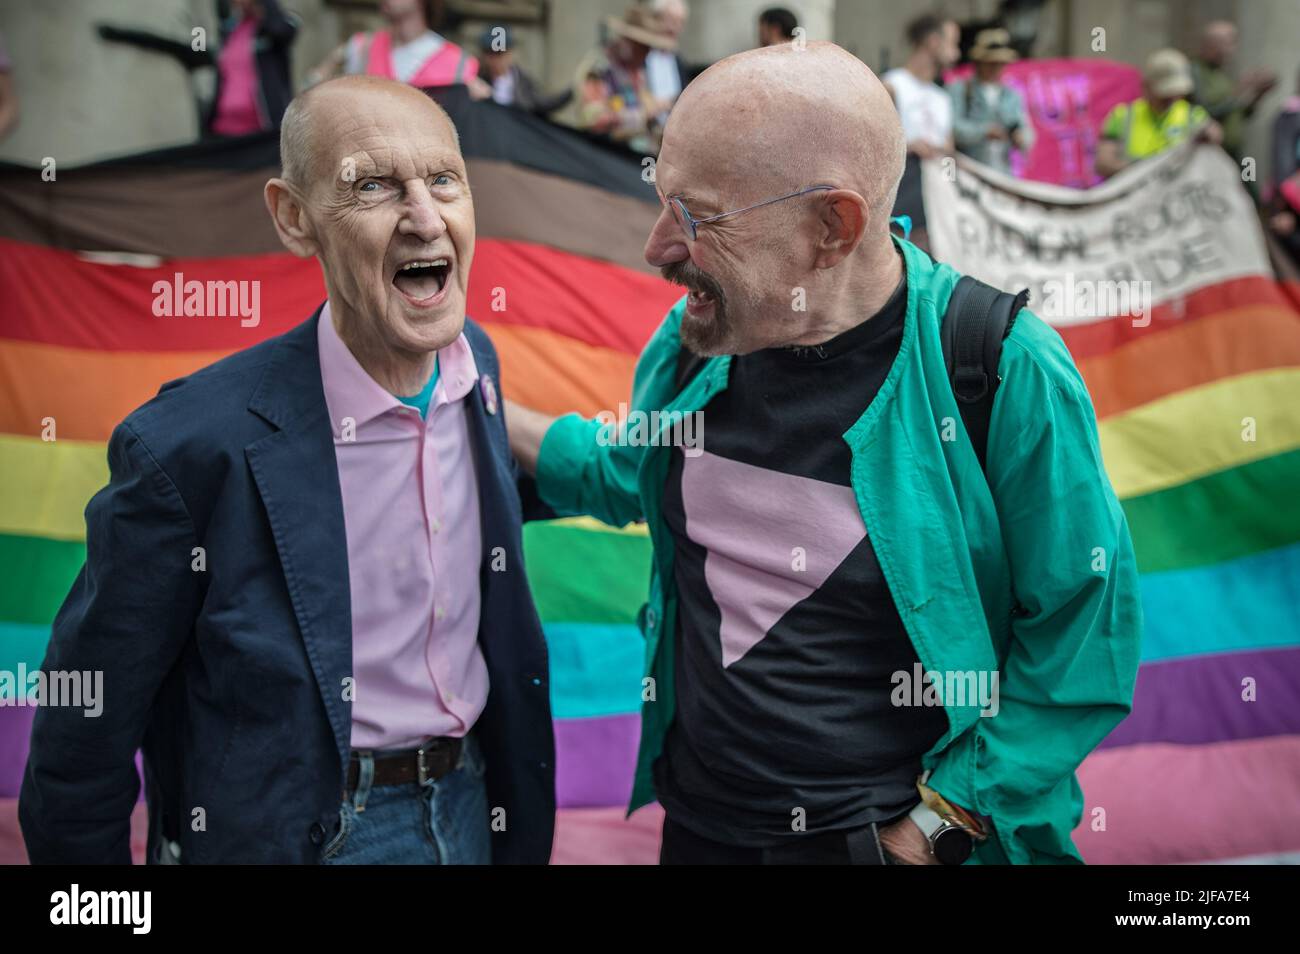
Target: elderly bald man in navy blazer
x: 304, y: 582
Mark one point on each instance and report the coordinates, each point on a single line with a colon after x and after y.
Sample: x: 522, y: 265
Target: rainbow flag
x: 559, y: 282
x: 1192, y: 357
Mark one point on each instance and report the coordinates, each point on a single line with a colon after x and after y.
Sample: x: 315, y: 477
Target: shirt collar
x: 351, y: 392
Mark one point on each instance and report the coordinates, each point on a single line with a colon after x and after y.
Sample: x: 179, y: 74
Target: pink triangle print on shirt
x: 750, y: 521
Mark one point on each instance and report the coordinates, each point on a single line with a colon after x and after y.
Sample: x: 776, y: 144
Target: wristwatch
x: 951, y: 831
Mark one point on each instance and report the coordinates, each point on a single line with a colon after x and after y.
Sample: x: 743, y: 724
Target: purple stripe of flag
x: 595, y: 760
x: 1198, y: 699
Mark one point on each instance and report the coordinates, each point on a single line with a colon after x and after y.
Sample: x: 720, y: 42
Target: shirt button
x: 437, y: 525
x: 316, y: 833
x: 439, y: 612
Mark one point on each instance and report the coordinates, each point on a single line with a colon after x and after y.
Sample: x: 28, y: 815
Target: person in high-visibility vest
x: 407, y: 49
x: 1160, y: 118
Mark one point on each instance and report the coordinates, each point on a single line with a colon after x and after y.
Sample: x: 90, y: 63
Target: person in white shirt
x: 664, y: 73
x: 924, y: 110
x: 923, y: 107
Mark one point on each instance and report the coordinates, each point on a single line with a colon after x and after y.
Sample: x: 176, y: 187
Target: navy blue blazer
x: 231, y: 678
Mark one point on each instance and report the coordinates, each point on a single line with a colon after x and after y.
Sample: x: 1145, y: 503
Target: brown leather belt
x: 428, y: 763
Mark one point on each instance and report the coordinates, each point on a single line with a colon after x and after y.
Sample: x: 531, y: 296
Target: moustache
x: 689, y: 276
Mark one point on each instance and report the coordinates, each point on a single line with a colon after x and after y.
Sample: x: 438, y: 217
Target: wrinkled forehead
x: 708, y: 155
x: 385, y: 136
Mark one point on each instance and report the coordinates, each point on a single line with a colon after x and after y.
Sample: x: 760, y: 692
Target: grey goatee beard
x: 709, y: 337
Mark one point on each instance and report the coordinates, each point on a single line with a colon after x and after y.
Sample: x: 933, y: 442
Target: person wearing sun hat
x: 989, y: 117
x: 614, y: 97
x: 1162, y: 117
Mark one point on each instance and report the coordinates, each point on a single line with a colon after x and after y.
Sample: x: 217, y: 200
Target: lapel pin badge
x: 489, y: 393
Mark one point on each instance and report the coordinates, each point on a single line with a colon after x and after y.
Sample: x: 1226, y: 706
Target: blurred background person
x: 254, y: 71
x: 1282, y: 210
x: 511, y: 84
x: 407, y: 48
x: 1282, y: 216
x: 1286, y: 137
x: 989, y: 117
x: 923, y: 107
x: 666, y: 72
x: 254, y: 82
x: 614, y: 97
x: 1160, y: 118
x: 8, y: 94
x: 776, y: 25
x: 1228, y: 102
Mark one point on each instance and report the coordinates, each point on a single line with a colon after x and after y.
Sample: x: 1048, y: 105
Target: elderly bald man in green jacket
x: 860, y: 647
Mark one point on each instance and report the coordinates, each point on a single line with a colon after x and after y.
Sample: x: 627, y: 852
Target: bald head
x: 374, y: 186
x: 779, y: 117
x: 311, y: 125
x: 789, y: 158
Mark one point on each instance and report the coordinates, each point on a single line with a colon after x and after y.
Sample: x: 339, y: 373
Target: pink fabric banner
x: 1067, y: 100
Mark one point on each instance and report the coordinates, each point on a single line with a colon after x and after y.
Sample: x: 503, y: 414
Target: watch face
x: 953, y: 846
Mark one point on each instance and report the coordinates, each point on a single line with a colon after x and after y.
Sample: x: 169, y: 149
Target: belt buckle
x: 421, y: 766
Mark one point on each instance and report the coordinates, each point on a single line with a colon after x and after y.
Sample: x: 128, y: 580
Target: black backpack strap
x: 978, y: 318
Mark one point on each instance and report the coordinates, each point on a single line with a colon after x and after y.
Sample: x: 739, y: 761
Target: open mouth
x: 698, y: 301
x: 423, y: 279
x: 704, y: 292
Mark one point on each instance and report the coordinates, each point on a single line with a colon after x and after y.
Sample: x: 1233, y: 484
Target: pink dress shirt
x: 415, y: 547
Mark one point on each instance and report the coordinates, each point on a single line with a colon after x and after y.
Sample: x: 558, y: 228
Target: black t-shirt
x: 787, y: 634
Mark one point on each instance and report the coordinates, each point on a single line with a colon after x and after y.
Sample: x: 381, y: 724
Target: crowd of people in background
x: 983, y: 117
x: 625, y: 87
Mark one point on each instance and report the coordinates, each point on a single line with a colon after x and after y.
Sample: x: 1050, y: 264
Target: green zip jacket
x: 1030, y: 572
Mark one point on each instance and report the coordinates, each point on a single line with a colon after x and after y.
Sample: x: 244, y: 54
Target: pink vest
x: 448, y: 66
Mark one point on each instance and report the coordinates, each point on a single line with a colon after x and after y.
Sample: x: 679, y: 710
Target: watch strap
x: 945, y: 810
x: 926, y: 819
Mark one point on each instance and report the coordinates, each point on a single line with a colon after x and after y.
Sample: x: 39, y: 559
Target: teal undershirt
x: 421, y: 401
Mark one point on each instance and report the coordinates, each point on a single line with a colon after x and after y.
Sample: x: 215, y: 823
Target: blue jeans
x: 440, y: 823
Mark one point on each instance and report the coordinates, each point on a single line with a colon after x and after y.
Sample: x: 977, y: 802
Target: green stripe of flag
x: 580, y: 575
x: 36, y: 576
x: 1222, y: 516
